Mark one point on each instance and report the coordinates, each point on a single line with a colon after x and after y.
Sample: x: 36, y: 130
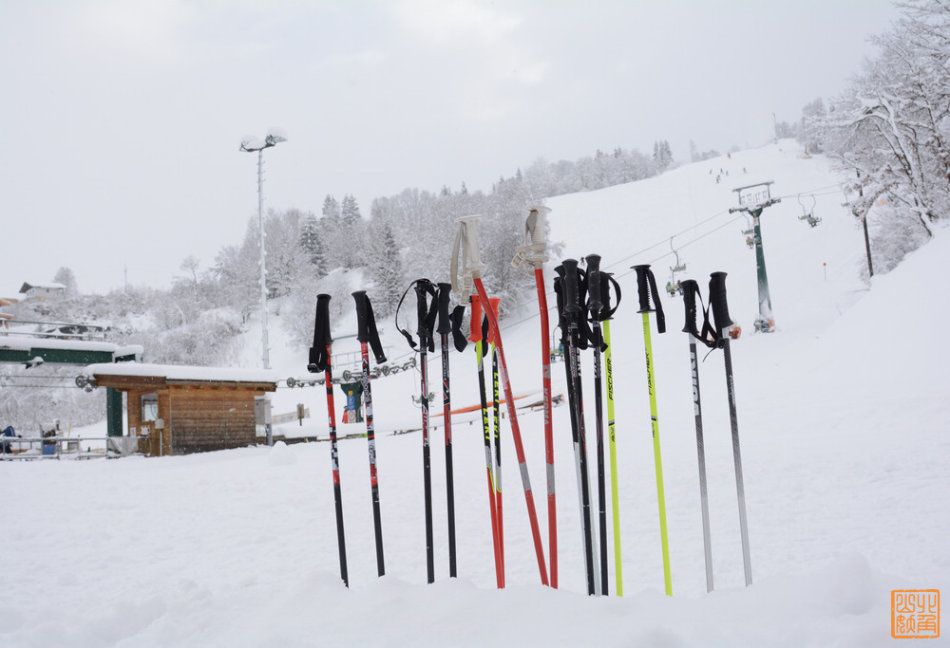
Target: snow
x: 843, y: 423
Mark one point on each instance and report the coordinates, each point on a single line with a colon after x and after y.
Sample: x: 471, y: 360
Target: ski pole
x: 424, y: 331
x: 477, y: 336
x: 723, y: 325
x: 568, y: 294
x: 646, y: 284
x: 690, y: 290
x: 535, y: 253
x: 612, y: 436
x: 607, y: 310
x: 426, y: 312
x: 466, y: 242
x: 449, y: 324
x: 594, y: 307
x: 320, y: 360
x: 368, y: 336
x: 496, y: 420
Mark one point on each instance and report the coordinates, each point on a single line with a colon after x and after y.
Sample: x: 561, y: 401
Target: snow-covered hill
x: 843, y: 421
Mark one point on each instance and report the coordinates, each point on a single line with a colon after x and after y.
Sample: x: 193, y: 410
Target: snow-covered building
x: 42, y: 292
x: 177, y: 409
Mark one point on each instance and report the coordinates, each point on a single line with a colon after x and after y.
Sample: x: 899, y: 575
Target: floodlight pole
x: 759, y: 201
x: 269, y: 141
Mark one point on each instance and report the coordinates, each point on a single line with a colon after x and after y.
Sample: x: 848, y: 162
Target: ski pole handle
x: 717, y: 299
x: 362, y: 315
x: 443, y: 294
x: 366, y: 324
x: 594, y: 289
x: 690, y: 289
x: 536, y: 225
x: 643, y: 272
x: 475, y: 325
x: 422, y: 310
x: 571, y: 303
x: 321, y: 335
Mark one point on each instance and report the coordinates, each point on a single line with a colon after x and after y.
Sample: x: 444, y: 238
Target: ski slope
x: 843, y: 423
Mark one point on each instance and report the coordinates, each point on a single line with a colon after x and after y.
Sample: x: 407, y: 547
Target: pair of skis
x: 321, y: 360
x: 715, y: 335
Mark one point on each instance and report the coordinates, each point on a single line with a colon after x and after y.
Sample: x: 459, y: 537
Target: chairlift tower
x: 752, y: 200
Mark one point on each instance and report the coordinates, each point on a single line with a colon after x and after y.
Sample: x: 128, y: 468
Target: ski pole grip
x: 594, y: 288
x: 422, y: 308
x: 475, y: 335
x: 643, y: 272
x: 537, y: 224
x: 571, y: 303
x: 717, y: 299
x: 445, y: 323
x: 362, y: 315
x: 468, y: 239
x: 321, y: 335
x: 690, y: 288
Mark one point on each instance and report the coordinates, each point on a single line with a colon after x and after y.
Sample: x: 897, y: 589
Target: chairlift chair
x: 673, y: 285
x: 808, y: 213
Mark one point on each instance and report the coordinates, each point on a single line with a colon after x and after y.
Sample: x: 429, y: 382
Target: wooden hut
x: 178, y: 409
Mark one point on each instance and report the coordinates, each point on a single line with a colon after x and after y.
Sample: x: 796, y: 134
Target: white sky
x: 120, y: 121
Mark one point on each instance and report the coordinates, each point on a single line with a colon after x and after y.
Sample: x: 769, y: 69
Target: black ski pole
x: 320, y: 360
x: 449, y: 324
x: 723, y: 325
x: 690, y: 290
x: 424, y: 291
x: 595, y: 307
x: 368, y: 336
x: 569, y: 284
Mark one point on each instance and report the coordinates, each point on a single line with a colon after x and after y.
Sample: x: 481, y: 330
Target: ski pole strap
x: 426, y: 313
x: 718, y: 303
x: 708, y: 335
x: 319, y: 357
x: 366, y: 325
x: 450, y: 323
x: 458, y: 314
x: 646, y: 285
x: 608, y: 311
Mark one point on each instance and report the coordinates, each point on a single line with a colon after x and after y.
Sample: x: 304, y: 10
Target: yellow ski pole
x: 646, y: 283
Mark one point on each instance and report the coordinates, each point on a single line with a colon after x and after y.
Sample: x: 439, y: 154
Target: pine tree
x: 385, y: 267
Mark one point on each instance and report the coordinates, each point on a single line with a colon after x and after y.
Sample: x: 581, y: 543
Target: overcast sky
x: 120, y: 121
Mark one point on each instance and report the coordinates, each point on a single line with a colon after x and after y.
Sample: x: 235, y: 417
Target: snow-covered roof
x: 183, y: 372
x: 49, y: 286
x: 27, y: 343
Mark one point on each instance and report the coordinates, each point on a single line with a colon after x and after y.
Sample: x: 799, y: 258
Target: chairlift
x: 749, y: 233
x: 673, y: 285
x: 808, y: 213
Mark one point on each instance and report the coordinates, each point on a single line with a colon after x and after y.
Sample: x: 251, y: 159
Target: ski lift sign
x: 754, y: 195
